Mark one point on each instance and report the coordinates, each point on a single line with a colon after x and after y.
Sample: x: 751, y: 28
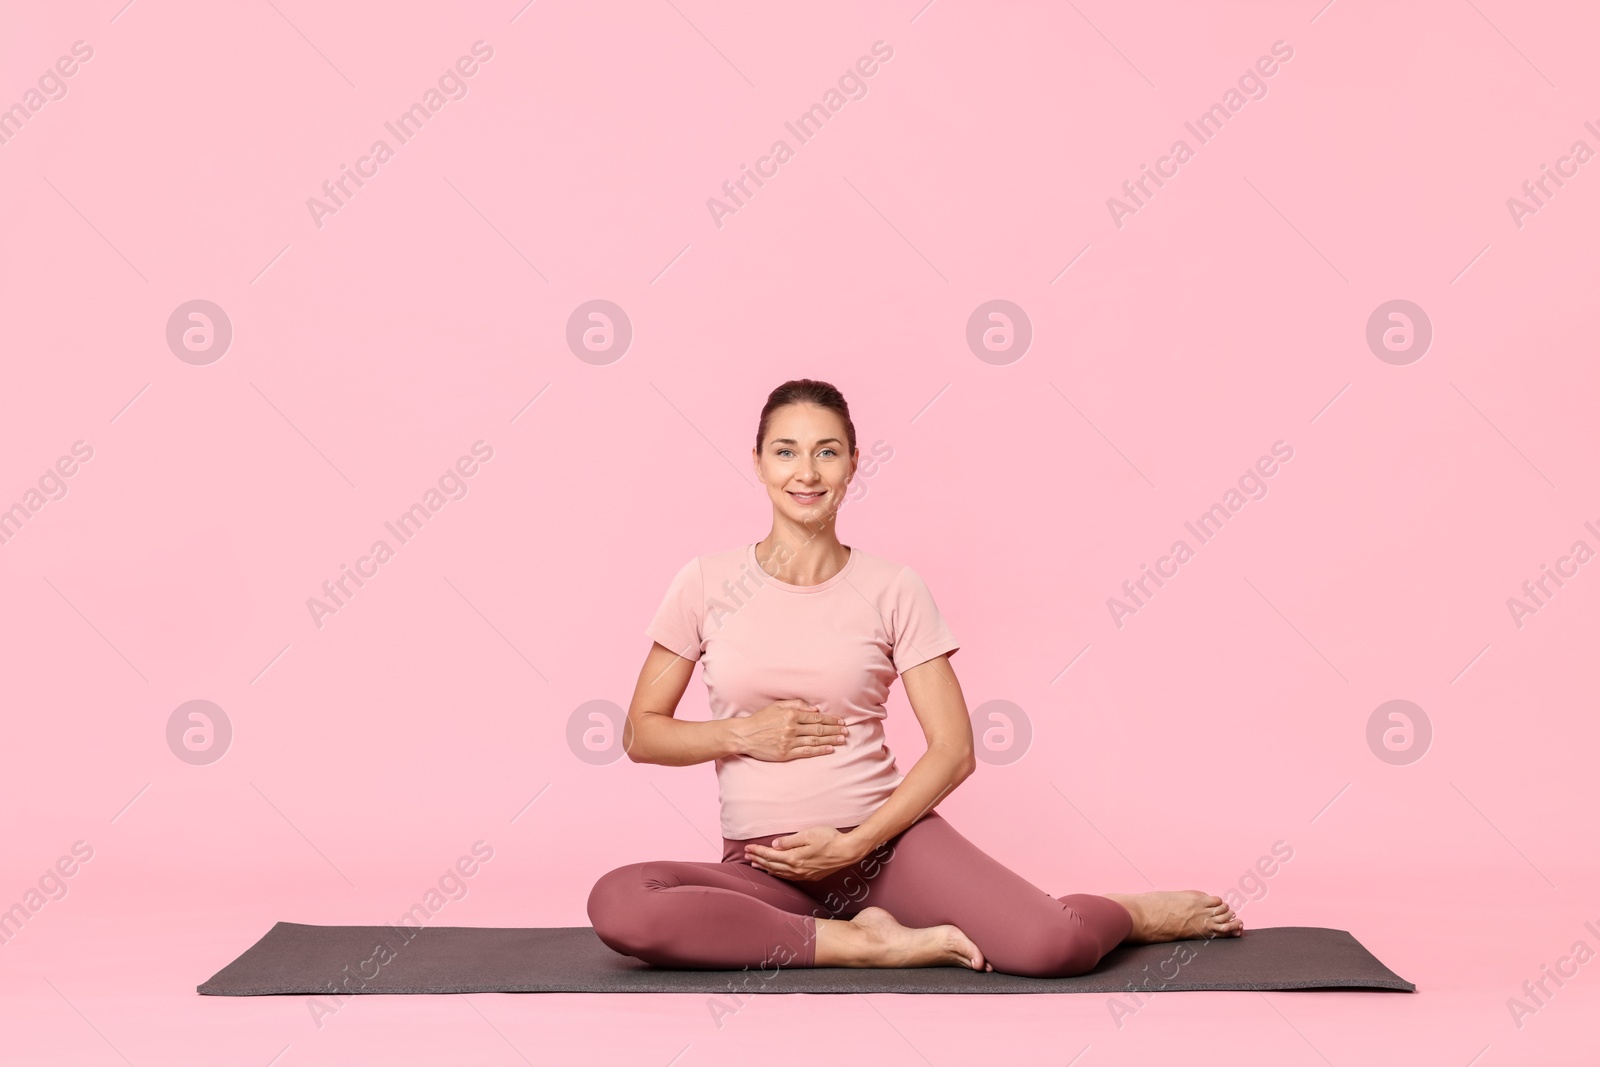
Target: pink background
x: 371, y: 352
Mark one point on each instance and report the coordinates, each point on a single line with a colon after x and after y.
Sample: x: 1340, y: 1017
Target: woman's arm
x: 653, y: 735
x: 936, y: 697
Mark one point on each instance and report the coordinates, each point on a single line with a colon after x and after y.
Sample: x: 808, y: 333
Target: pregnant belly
x: 853, y: 779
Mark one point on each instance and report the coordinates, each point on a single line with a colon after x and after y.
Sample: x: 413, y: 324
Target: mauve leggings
x: 729, y: 915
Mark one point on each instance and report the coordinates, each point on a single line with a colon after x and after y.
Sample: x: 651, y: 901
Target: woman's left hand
x: 806, y: 856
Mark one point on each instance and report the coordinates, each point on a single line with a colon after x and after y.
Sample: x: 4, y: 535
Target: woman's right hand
x: 786, y: 730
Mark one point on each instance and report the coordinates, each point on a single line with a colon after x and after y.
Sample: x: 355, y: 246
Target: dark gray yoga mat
x: 294, y: 958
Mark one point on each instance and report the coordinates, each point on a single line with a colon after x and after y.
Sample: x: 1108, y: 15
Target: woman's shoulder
x: 714, y: 555
x: 884, y: 571
x: 720, y: 562
x: 882, y: 562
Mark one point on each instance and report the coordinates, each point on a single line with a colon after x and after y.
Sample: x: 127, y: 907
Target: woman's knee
x: 617, y: 908
x: 1062, y: 951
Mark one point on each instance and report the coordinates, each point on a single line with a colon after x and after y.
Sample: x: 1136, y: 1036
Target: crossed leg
x: 694, y: 915
x: 688, y: 914
x: 931, y: 876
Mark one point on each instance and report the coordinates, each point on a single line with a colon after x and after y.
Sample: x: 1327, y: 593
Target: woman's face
x: 805, y: 463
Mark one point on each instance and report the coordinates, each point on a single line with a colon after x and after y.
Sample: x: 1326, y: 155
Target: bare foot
x: 1177, y: 915
x: 874, y: 939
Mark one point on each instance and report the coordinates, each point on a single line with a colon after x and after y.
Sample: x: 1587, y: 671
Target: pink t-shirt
x: 839, y: 645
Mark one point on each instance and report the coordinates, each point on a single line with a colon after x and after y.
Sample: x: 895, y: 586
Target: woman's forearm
x: 671, y: 742
x: 940, y: 770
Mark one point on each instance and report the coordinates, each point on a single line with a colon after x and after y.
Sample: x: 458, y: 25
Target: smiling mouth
x: 808, y: 498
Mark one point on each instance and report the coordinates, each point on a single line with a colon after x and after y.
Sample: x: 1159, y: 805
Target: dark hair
x: 806, y: 391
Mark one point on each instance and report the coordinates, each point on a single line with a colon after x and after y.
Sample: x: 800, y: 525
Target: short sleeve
x: 920, y: 632
x: 677, y: 621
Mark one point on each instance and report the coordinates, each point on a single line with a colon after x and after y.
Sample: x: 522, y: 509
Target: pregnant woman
x: 831, y: 857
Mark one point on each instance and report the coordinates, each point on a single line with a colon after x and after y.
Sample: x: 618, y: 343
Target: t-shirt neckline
x: 849, y: 563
